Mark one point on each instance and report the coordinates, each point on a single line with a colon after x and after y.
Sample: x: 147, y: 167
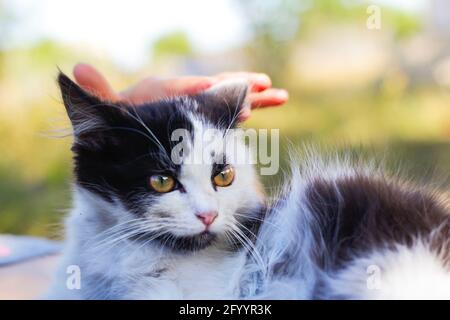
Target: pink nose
x: 207, y: 217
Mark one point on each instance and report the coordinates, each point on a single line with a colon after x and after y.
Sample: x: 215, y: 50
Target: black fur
x: 356, y: 215
x: 223, y: 107
x: 116, y: 157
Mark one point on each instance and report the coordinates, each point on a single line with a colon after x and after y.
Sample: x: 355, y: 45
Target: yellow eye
x: 161, y: 183
x: 225, y: 177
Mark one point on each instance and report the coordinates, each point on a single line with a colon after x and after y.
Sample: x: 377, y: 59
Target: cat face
x: 174, y: 168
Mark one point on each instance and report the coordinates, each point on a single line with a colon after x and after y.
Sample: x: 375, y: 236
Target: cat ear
x: 223, y: 103
x: 83, y: 109
x: 88, y: 114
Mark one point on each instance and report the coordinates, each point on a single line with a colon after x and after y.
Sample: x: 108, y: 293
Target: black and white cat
x: 145, y: 226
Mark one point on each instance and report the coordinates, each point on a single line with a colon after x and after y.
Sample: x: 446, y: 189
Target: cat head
x: 172, y: 169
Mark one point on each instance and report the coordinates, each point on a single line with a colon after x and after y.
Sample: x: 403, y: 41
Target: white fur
x: 403, y: 273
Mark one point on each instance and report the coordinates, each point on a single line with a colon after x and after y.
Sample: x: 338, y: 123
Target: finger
x: 152, y: 88
x: 146, y: 90
x: 93, y: 81
x: 258, y: 81
x: 187, y: 85
x: 268, y: 98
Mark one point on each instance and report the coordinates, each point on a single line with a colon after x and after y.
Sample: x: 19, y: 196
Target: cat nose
x: 207, y: 217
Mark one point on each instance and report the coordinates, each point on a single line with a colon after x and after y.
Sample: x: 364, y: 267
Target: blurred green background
x: 385, y: 91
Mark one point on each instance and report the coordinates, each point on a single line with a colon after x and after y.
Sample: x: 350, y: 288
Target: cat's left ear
x: 86, y: 112
x: 223, y: 103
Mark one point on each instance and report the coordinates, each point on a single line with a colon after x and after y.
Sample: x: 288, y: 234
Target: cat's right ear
x: 86, y: 112
x: 223, y: 103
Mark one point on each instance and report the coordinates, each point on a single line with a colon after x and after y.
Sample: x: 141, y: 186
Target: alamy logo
x: 373, y: 21
x: 373, y: 281
x: 263, y: 147
x: 73, y: 281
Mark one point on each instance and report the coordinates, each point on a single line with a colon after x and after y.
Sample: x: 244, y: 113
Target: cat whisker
x: 256, y: 219
x: 119, y: 226
x: 252, y: 250
x: 129, y: 232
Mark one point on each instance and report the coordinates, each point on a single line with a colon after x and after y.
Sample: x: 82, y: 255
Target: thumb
x: 93, y: 81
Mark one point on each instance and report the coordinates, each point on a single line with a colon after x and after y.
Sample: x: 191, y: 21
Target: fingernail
x: 245, y: 113
x: 282, y: 94
x: 263, y: 79
x: 208, y: 83
x: 80, y: 68
x: 81, y: 65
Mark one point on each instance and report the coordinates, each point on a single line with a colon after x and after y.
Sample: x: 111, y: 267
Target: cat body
x: 342, y: 229
x: 155, y: 221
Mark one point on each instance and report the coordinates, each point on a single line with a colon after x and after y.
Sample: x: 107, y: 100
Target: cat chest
x: 206, y: 278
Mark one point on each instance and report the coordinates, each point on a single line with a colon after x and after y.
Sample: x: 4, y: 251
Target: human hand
x: 152, y: 88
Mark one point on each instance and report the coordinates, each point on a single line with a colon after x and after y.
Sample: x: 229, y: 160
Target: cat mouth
x: 195, y: 242
x: 191, y: 243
